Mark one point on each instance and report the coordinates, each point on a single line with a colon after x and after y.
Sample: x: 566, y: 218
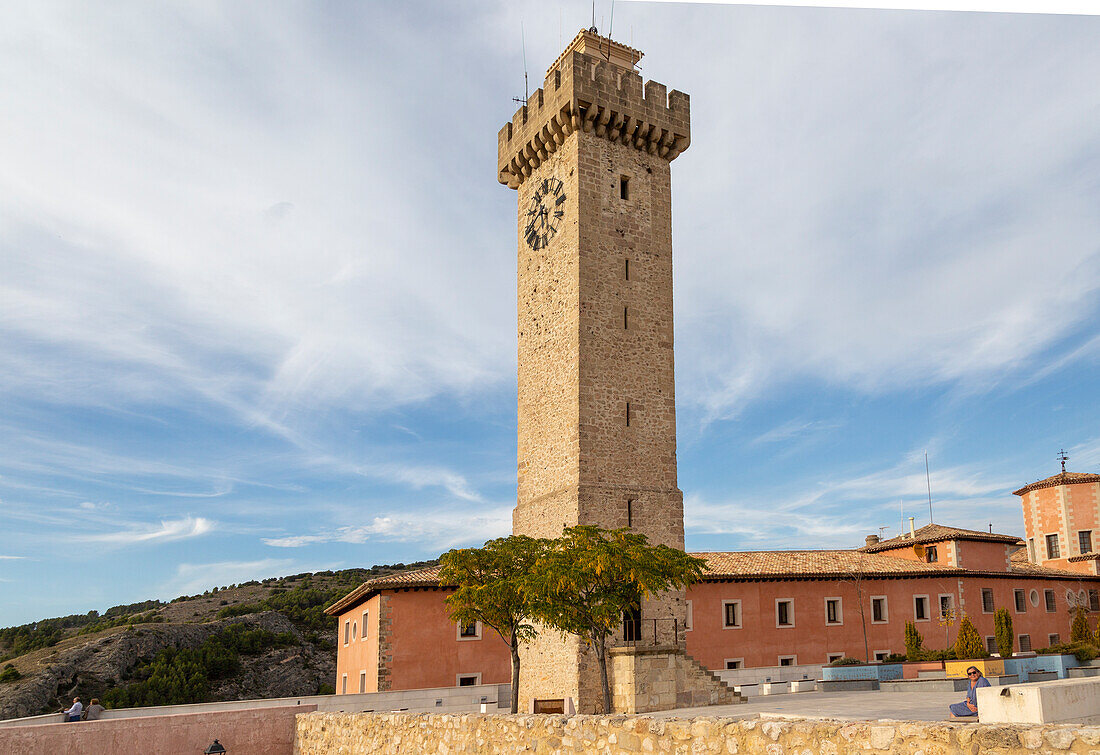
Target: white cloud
x: 166, y: 531
x: 441, y: 530
x: 11, y: 558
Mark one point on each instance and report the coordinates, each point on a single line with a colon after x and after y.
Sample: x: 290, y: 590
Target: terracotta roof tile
x: 426, y: 577
x: 1062, y: 478
x: 934, y: 533
x: 814, y: 564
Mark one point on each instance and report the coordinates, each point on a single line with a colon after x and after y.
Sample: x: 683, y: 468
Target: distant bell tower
x: 589, y: 156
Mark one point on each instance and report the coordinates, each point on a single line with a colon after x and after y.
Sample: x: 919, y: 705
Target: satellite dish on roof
x: 919, y: 550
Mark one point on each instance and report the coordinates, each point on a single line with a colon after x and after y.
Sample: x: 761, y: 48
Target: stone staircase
x: 655, y: 678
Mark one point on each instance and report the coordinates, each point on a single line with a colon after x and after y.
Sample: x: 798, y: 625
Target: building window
x: 344, y: 684
x: 629, y: 512
x: 920, y: 608
x: 628, y: 414
x: 467, y: 680
x: 788, y: 660
x: 1021, y: 601
x: 1033, y: 596
x: 362, y: 681
x: 1053, y: 639
x: 1052, y: 604
x: 731, y: 614
x: 734, y: 663
x: 947, y: 606
x: 626, y: 322
x: 347, y: 632
x: 930, y: 554
x: 834, y: 611
x: 784, y: 612
x: 1052, y: 547
x: 830, y: 657
x: 991, y: 645
x: 689, y: 621
x: 469, y: 631
x: 1084, y: 541
x: 363, y: 634
x: 987, y: 600
x: 624, y: 187
x: 1094, y: 600
x: 632, y: 624
x: 1071, y: 599
x: 880, y: 655
x: 878, y: 609
x: 354, y: 631
x: 626, y: 269
x: 1025, y: 643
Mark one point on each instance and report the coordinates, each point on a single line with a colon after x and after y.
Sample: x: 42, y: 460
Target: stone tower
x: 589, y: 155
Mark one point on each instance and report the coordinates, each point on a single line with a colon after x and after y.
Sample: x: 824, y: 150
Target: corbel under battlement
x: 596, y: 96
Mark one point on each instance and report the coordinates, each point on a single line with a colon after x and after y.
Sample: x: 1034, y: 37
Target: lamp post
x: 214, y: 749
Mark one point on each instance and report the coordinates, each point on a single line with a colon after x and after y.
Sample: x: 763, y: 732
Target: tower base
x: 663, y: 677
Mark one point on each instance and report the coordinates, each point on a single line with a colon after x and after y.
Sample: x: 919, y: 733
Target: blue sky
x: 257, y: 278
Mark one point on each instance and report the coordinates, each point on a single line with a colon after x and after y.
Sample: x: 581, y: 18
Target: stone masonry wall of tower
x: 595, y: 328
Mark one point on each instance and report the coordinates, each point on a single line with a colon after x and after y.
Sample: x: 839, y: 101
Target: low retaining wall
x: 394, y: 733
x: 259, y: 731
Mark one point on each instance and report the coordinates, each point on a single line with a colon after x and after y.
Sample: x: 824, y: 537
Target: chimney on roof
x: 912, y: 532
x: 872, y: 540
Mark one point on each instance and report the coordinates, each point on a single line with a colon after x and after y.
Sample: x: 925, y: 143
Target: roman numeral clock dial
x: 545, y: 213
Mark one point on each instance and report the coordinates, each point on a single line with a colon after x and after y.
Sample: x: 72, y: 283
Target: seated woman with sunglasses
x: 969, y: 706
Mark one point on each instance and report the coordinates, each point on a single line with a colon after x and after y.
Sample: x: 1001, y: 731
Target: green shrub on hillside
x: 177, y: 677
x: 10, y: 673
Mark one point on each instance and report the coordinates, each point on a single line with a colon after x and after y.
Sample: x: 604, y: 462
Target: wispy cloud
x: 166, y: 531
x: 441, y: 530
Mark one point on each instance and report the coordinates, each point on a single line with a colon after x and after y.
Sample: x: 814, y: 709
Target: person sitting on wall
x: 969, y: 706
x: 94, y: 710
x: 73, y: 713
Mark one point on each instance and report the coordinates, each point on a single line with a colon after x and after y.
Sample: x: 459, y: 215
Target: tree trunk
x: 600, y: 644
x: 514, y: 647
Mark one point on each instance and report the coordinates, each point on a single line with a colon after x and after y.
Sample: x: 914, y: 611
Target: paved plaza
x: 845, y: 706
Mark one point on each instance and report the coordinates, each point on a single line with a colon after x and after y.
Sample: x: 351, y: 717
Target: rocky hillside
x: 254, y: 640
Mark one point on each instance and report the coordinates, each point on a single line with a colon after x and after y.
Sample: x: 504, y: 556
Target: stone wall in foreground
x: 331, y: 733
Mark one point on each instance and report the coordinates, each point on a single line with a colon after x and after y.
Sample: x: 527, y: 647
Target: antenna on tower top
x: 523, y: 46
x: 610, y: 27
x: 1063, y: 457
x: 593, y: 28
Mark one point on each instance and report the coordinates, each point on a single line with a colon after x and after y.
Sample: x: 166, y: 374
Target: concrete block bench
x: 1060, y: 701
x: 808, y: 685
x: 747, y: 690
x: 775, y: 688
x: 1041, y: 676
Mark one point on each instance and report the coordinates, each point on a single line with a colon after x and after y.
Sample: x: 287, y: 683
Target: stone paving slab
x: 843, y: 706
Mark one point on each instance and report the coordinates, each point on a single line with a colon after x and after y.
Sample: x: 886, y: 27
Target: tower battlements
x: 586, y: 92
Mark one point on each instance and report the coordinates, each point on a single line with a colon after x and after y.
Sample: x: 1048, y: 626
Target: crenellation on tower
x: 597, y: 96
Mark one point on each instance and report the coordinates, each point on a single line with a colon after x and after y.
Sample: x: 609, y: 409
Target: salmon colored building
x: 775, y: 608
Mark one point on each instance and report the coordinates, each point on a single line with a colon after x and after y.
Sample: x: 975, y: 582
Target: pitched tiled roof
x: 1062, y: 478
x: 1022, y: 566
x: 427, y: 577
x: 814, y: 564
x: 760, y: 565
x: 1085, y: 556
x: 934, y: 533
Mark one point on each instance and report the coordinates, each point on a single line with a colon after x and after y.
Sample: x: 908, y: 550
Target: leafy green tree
x: 913, y: 642
x: 969, y: 643
x: 491, y: 588
x: 1079, y: 629
x: 1002, y: 630
x: 589, y: 577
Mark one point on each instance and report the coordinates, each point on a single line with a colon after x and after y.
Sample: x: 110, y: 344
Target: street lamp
x: 214, y: 749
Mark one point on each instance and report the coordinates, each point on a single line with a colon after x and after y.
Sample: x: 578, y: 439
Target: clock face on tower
x: 545, y: 213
